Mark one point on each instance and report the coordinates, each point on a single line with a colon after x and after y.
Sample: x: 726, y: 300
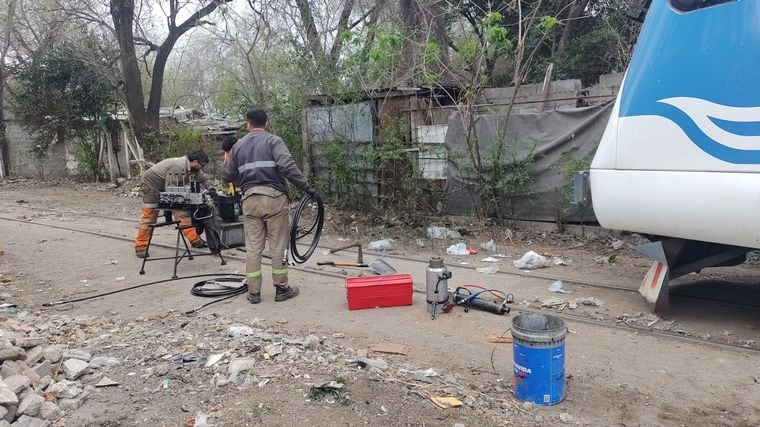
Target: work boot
x: 285, y: 293
x: 254, y: 298
x: 199, y: 244
x: 141, y: 254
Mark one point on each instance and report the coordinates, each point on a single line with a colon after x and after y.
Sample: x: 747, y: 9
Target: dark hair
x: 199, y: 155
x: 256, y: 117
x: 228, y: 142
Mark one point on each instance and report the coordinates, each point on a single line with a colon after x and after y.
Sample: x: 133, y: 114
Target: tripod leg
x: 145, y: 258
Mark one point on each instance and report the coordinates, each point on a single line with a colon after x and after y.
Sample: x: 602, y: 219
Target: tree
x: 144, y: 119
x: 59, y: 96
x: 9, y: 9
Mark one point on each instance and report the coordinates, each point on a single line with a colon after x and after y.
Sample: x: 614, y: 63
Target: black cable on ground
x: 297, y: 233
x: 54, y: 303
x: 200, y: 289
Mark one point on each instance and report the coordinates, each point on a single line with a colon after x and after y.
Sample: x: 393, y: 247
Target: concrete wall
x: 20, y: 141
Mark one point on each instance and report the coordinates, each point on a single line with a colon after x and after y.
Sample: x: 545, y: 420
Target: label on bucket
x: 539, y: 374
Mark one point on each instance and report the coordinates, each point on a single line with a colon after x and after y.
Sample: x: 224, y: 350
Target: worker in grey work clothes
x: 261, y: 162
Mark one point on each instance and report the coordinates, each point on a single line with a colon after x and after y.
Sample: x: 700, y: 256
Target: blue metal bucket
x: 539, y: 357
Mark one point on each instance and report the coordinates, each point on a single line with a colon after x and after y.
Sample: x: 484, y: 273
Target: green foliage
x: 506, y: 175
x: 384, y: 56
x: 89, y: 168
x: 335, y: 389
x: 342, y: 174
x: 591, y: 55
x: 399, y: 170
x: 58, y: 94
x: 39, y: 151
x: 547, y: 23
x: 58, y: 90
x: 180, y: 141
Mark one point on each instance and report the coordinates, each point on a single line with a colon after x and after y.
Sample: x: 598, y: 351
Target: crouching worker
x: 154, y: 181
x: 261, y: 162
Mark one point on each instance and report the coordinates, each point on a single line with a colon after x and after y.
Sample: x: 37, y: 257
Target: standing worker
x: 260, y: 162
x: 154, y: 181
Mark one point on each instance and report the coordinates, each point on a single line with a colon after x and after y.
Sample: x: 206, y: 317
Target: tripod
x: 168, y: 220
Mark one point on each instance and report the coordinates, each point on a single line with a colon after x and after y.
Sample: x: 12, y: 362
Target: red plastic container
x: 389, y: 290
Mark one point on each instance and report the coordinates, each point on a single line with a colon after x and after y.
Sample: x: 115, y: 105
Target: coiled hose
x: 297, y: 231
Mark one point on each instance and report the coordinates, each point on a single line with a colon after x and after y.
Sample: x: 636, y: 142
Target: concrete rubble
x: 54, y: 363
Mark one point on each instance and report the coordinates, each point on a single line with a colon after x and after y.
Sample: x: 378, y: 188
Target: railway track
x: 609, y: 322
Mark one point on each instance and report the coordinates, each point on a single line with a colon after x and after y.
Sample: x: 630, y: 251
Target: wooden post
x: 110, y: 155
x: 306, y: 144
x: 126, y: 156
x: 100, y: 155
x: 546, y: 87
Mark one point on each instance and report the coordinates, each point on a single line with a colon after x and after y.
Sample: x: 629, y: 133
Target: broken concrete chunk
x: 17, y: 383
x: 31, y: 374
x: 44, y: 369
x: 100, y: 361
x: 239, y: 331
x: 242, y: 364
x: 35, y: 354
x: 29, y: 342
x: 11, y: 367
x: 12, y: 353
x: 43, y: 382
x: 365, y: 362
x: 65, y: 389
x: 7, y: 397
x: 53, y: 353
x: 27, y: 421
x: 11, y: 414
x: 77, y: 354
x: 75, y: 368
x: 50, y: 411
x: 30, y: 405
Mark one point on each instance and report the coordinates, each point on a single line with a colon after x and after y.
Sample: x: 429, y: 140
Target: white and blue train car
x: 680, y: 158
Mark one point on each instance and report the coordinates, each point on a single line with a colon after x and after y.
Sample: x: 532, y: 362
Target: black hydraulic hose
x: 296, y: 233
x: 200, y: 290
x: 54, y: 303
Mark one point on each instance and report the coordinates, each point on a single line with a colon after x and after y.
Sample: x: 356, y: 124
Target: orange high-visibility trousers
x: 149, y: 216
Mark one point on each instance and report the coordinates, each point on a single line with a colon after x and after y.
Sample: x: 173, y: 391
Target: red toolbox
x: 389, y: 290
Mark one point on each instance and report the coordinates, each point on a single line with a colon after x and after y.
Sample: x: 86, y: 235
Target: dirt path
x: 614, y: 377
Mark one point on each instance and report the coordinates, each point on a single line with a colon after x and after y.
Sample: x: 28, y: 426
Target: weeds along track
x: 591, y: 319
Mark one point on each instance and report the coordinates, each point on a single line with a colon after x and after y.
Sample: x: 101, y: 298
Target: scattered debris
x: 434, y: 232
x: 531, y: 261
x: 609, y: 259
x: 446, y: 402
x: 330, y: 391
x: 556, y: 286
x: 489, y: 246
x: 490, y: 259
x: 381, y: 245
x: 487, y: 270
x: 106, y: 382
x: 458, y: 249
x: 365, y: 362
x: 389, y: 347
x: 499, y: 337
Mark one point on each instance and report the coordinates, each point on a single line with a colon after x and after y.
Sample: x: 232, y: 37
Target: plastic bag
x: 531, y: 261
x: 381, y: 245
x: 458, y: 249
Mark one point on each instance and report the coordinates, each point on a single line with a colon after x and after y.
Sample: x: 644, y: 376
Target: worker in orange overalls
x: 154, y: 181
